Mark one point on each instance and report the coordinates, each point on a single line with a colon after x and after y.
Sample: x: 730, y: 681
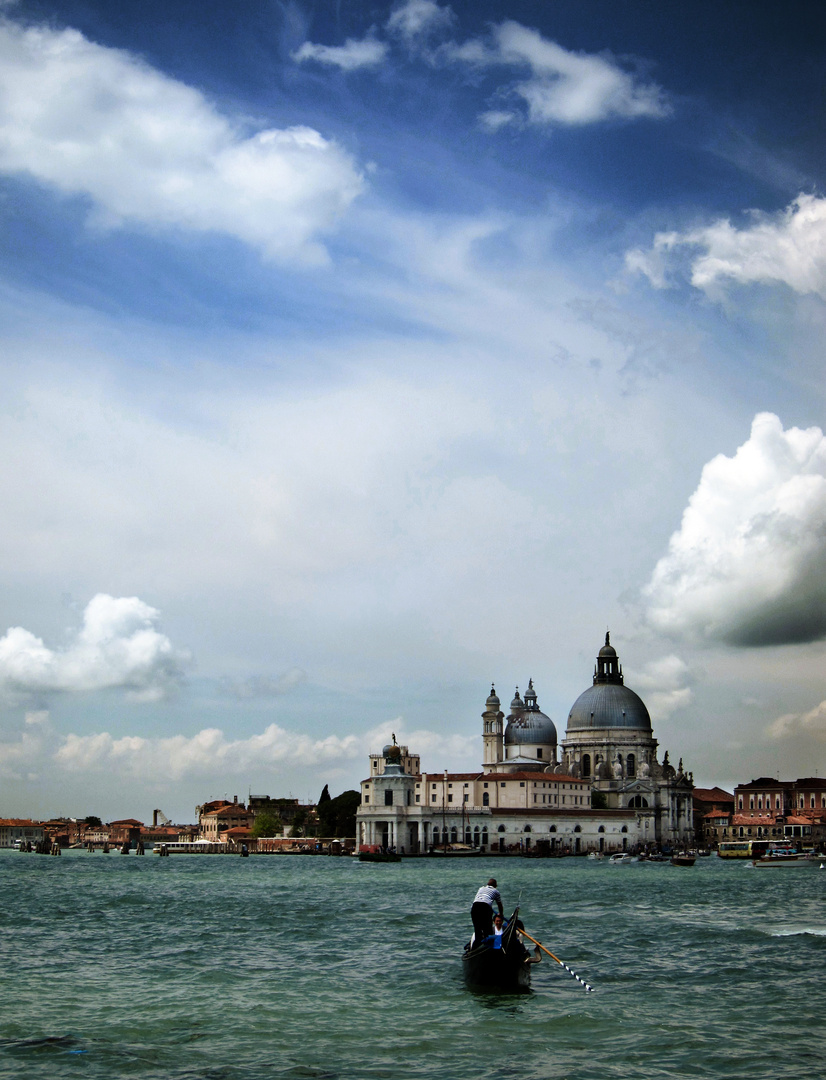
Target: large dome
x: 609, y: 705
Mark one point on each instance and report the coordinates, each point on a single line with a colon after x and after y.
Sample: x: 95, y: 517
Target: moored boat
x: 379, y: 856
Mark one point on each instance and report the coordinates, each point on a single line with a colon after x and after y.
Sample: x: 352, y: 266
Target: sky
x: 355, y: 356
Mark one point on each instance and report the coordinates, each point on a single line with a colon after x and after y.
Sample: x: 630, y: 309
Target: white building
x: 522, y: 799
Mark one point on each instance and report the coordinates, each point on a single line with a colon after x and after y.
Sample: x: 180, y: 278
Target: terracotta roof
x: 714, y: 794
x: 127, y: 821
x: 229, y: 810
x: 753, y: 819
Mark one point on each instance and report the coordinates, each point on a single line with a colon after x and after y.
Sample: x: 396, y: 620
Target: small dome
x: 607, y: 649
x: 532, y: 727
x: 517, y: 705
x: 492, y: 701
x: 391, y: 752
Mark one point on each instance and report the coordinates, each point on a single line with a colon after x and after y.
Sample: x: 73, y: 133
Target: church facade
x: 602, y: 790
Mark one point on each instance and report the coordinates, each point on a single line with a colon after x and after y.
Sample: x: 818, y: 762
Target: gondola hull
x: 496, y: 969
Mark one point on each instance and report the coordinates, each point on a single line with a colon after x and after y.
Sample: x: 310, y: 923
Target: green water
x: 245, y: 969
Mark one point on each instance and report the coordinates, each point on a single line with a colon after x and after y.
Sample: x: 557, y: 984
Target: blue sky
x: 356, y: 355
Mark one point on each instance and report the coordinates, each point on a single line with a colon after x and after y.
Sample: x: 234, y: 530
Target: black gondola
x: 506, y: 968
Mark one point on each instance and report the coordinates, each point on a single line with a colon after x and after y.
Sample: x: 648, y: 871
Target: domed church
x: 609, y: 741
x: 528, y: 742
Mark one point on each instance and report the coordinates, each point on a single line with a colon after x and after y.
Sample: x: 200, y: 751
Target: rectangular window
x: 367, y: 798
x: 418, y: 797
x: 501, y: 783
x: 388, y: 798
x: 465, y: 785
x: 467, y: 798
x: 450, y: 798
x: 521, y: 783
x: 450, y: 785
x: 433, y: 798
x: 534, y: 798
x: 484, y: 785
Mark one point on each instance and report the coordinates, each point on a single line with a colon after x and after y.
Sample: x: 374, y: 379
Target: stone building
x: 608, y: 792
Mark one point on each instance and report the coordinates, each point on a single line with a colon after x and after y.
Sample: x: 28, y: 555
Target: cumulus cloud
x: 351, y: 55
x: 794, y: 724
x: 787, y: 248
x: 663, y: 685
x: 211, y: 753
x: 562, y: 87
x: 99, y: 123
x: 748, y: 563
x: 118, y: 646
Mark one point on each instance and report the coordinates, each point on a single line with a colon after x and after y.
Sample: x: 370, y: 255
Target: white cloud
x: 117, y: 647
x: 563, y: 87
x: 662, y: 685
x: 209, y: 753
x: 417, y: 18
x: 748, y: 564
x: 351, y: 55
x: 793, y: 724
x: 97, y: 122
x: 787, y: 248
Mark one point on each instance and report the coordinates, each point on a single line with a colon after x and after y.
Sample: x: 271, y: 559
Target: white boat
x: 783, y: 858
x: 622, y: 857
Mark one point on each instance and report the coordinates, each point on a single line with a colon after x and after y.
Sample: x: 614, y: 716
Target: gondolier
x: 481, y: 910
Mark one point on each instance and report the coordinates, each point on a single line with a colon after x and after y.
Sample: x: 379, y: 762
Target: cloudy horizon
x: 356, y: 359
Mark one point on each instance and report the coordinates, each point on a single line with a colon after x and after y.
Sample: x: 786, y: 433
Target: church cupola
x: 608, y: 669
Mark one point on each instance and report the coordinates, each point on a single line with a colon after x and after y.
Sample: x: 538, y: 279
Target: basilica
x: 602, y: 789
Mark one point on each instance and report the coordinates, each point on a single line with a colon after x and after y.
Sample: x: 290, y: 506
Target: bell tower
x: 492, y: 732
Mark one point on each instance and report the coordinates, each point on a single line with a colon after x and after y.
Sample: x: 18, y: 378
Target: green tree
x: 599, y: 800
x: 299, y: 822
x: 92, y: 820
x: 266, y: 824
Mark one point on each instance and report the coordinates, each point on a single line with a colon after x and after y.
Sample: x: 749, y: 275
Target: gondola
x: 507, y: 968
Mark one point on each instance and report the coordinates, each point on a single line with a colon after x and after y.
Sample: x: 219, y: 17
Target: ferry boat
x: 194, y: 847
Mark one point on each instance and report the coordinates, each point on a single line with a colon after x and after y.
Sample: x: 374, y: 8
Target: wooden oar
x: 524, y: 933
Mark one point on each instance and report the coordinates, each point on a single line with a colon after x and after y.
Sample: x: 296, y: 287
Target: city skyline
x: 357, y: 356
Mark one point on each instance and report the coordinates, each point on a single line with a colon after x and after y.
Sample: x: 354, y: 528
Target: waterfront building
x: 713, y: 811
x: 607, y: 793
x: 768, y: 808
x: 12, y: 829
x: 215, y: 818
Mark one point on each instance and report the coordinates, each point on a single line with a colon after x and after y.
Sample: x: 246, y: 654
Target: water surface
x: 224, y: 968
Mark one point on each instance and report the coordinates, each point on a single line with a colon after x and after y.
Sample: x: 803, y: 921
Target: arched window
x: 578, y: 828
x: 501, y: 828
x: 638, y: 802
x: 552, y: 828
x: 586, y: 765
x: 631, y: 765
x: 601, y: 828
x: 435, y: 836
x: 624, y: 828
x: 485, y: 798
x: 527, y: 828
x: 453, y: 834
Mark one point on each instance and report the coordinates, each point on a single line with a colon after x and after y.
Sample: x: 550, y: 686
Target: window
x: 450, y: 798
x: 601, y: 828
x: 539, y: 751
x: 484, y: 785
x: 552, y: 828
x: 631, y: 765
x: 418, y: 797
x: 578, y: 828
x: 501, y: 783
x: 624, y: 828
x: 465, y: 785
x: 450, y: 785
x: 740, y: 803
x: 813, y: 802
x: 367, y: 798
x: 521, y: 783
x: 485, y: 798
x: 466, y: 797
x: 388, y: 797
x: 586, y: 764
x: 527, y: 828
x: 751, y: 802
x: 433, y: 798
x: 501, y: 828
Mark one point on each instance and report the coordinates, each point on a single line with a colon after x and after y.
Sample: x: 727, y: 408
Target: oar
x: 524, y: 933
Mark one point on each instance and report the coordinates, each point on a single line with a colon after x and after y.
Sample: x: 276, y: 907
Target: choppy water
x: 223, y: 968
